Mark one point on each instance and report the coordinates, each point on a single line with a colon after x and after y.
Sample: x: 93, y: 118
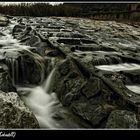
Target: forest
x: 65, y: 9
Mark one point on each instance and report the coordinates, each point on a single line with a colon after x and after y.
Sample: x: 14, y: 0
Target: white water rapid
x: 119, y: 67
x: 134, y: 88
x: 40, y: 99
x: 41, y: 103
x: 46, y: 106
x: 123, y: 67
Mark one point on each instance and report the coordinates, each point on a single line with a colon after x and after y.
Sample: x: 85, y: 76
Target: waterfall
x: 12, y: 63
x: 40, y: 99
x: 13, y: 70
x: 49, y: 81
x: 18, y: 70
x: 23, y: 69
x: 46, y: 107
x: 40, y: 102
x: 41, y: 105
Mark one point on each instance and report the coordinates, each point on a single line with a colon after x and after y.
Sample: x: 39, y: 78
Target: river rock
x: 94, y: 114
x: 92, y: 87
x: 25, y: 66
x: 70, y: 81
x: 14, y: 113
x: 77, y: 48
x: 122, y: 119
x: 5, y: 79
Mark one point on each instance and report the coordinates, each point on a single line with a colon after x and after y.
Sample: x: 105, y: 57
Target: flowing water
x: 46, y: 106
x: 134, y: 88
x: 40, y: 99
x: 12, y: 50
x: 119, y: 67
x: 48, y: 82
x: 123, y: 67
x: 41, y: 103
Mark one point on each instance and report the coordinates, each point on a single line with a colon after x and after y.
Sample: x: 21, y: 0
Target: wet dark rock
x: 75, y: 47
x: 5, y: 79
x: 17, y: 29
x: 33, y: 40
x: 70, y: 82
x: 68, y: 98
x: 69, y: 89
x: 92, y: 87
x: 122, y: 119
x: 34, y: 68
x: 6, y: 82
x: 94, y: 114
x: 53, y: 53
x: 25, y: 66
x: 71, y: 41
x: 14, y: 113
x: 64, y: 68
x: 69, y: 34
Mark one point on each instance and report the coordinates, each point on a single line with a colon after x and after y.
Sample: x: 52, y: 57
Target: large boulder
x: 84, y: 96
x: 24, y: 66
x: 5, y: 79
x: 93, y: 114
x: 122, y: 119
x: 68, y: 82
x: 14, y: 113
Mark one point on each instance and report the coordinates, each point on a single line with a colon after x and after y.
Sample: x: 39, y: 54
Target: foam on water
x: 119, y: 67
x: 134, y: 88
x: 41, y: 103
x: 46, y: 106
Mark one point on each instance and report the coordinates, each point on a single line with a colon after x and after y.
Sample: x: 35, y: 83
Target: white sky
x: 5, y: 3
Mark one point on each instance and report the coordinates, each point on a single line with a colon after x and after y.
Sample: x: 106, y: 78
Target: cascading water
x: 48, y: 82
x: 13, y: 52
x: 41, y: 103
x: 45, y: 105
x: 13, y: 70
x: 23, y: 69
x: 18, y: 69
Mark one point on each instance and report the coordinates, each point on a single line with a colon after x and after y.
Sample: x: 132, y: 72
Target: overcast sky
x: 5, y: 3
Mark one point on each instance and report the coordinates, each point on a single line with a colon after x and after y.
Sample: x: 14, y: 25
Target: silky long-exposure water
x: 71, y: 80
x: 40, y: 100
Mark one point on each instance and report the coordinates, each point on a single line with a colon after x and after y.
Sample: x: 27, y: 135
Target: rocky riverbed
x: 63, y: 72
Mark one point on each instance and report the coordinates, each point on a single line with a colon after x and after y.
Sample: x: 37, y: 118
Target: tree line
x: 66, y: 9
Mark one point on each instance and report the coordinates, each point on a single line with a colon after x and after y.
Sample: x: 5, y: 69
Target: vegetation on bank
x: 66, y: 9
x: 91, y: 10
